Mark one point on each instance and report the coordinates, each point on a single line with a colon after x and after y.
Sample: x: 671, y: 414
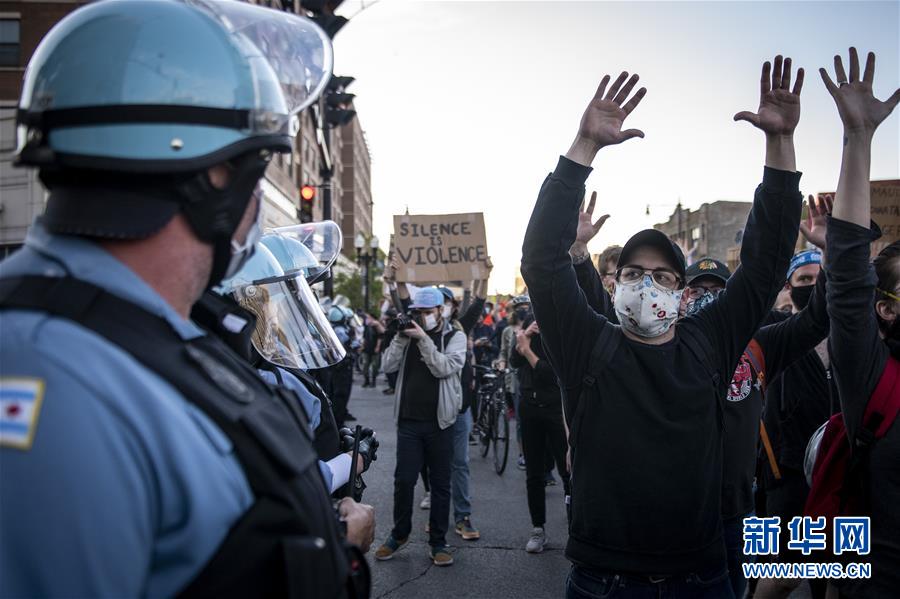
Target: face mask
x: 645, y: 309
x: 701, y: 302
x: 241, y: 252
x: 522, y: 314
x: 800, y: 295
x: 446, y: 311
x: 429, y: 322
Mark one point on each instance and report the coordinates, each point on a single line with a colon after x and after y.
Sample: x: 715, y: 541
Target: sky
x: 467, y: 105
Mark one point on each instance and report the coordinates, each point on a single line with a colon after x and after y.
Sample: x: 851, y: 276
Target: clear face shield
x: 324, y: 241
x: 291, y: 330
x: 288, y: 53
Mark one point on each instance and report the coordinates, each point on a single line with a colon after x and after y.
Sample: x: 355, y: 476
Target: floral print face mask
x: 646, y: 309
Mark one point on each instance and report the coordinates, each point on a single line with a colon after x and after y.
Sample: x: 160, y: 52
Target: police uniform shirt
x: 114, y: 485
x: 336, y: 471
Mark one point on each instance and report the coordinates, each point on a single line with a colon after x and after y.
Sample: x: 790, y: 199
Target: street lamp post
x: 364, y: 257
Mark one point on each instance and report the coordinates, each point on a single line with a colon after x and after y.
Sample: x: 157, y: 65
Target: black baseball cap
x: 708, y: 267
x: 656, y: 239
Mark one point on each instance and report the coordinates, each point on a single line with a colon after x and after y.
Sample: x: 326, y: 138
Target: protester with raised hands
x: 644, y: 400
x: 864, y: 306
x: 790, y: 347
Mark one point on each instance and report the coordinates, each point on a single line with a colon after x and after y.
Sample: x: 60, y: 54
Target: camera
x: 405, y: 322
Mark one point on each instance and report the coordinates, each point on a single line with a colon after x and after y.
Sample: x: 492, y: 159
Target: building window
x: 695, y: 234
x: 9, y: 42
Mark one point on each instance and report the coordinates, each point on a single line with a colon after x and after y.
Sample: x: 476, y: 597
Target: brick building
x: 24, y: 23
x: 22, y: 26
x: 713, y: 230
x: 356, y: 185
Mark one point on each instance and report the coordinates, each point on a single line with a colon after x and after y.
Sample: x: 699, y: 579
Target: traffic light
x: 307, y: 195
x: 338, y: 102
x: 323, y: 15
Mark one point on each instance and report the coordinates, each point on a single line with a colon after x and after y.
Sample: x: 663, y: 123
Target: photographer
x: 428, y: 353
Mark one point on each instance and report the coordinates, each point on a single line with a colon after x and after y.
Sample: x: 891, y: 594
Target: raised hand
x: 587, y: 229
x: 860, y: 110
x: 601, y: 124
x: 779, y: 106
x: 816, y: 221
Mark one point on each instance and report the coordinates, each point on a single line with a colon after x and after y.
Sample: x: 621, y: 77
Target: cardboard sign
x: 440, y: 248
x: 885, y: 211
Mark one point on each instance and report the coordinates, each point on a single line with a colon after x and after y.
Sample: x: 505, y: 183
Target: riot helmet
x: 127, y: 104
x: 291, y: 330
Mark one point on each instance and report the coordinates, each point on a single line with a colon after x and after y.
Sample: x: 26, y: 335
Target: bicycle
x: 493, y: 416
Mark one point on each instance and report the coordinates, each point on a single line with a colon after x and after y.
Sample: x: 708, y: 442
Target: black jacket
x: 538, y: 385
x: 647, y: 432
x: 859, y: 356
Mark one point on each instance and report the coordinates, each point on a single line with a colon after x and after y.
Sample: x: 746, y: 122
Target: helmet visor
x: 324, y: 239
x: 297, y: 50
x: 291, y: 330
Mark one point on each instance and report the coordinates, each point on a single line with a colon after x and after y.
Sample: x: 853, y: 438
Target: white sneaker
x: 537, y: 541
x: 426, y: 502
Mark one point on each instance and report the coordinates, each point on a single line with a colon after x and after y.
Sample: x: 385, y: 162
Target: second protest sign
x: 440, y: 248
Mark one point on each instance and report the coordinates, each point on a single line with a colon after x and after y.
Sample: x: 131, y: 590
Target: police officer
x: 272, y: 320
x: 139, y: 456
x: 339, y: 377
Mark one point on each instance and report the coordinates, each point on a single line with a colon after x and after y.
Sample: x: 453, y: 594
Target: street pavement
x: 495, y: 566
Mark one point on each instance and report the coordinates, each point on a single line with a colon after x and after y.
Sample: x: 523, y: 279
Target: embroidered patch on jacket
x: 20, y: 406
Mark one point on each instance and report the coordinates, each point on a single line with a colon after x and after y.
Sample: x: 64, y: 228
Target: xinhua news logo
x: 808, y: 536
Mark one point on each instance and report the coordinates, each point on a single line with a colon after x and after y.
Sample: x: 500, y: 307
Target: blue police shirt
x: 312, y: 406
x: 111, y: 483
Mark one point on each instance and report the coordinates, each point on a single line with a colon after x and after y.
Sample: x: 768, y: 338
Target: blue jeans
x: 590, y: 584
x: 459, y: 467
x: 734, y: 545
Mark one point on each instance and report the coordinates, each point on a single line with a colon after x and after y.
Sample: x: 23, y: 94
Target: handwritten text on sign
x: 440, y: 248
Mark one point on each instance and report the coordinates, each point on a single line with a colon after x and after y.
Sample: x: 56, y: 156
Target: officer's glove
x: 368, y: 447
x: 347, y: 440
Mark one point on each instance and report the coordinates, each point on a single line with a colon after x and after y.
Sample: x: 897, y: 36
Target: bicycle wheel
x: 501, y: 436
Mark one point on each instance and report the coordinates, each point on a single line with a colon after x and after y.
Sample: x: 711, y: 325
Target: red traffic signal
x: 308, y: 192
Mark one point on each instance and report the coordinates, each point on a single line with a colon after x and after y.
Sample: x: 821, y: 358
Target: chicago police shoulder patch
x: 20, y: 406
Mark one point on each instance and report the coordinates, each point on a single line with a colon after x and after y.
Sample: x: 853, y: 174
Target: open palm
x: 602, y: 121
x: 779, y: 106
x: 587, y: 229
x: 858, y: 107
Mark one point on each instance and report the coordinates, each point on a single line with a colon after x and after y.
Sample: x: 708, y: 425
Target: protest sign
x: 885, y: 210
x: 440, y: 248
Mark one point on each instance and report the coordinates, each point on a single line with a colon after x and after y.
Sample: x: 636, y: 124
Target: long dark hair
x: 887, y: 269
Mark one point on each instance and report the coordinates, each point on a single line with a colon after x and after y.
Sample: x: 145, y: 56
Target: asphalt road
x: 495, y: 566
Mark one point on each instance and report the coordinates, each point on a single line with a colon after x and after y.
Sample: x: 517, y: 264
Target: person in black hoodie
x: 864, y: 306
x: 776, y: 348
x: 540, y: 411
x: 645, y: 400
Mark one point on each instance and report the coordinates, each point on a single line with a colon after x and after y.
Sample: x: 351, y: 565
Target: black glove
x: 368, y: 447
x: 347, y: 440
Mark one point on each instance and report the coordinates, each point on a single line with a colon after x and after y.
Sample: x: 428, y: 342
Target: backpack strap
x: 700, y: 347
x: 757, y: 359
x: 881, y: 412
x: 885, y: 400
x: 604, y: 348
x: 770, y: 453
